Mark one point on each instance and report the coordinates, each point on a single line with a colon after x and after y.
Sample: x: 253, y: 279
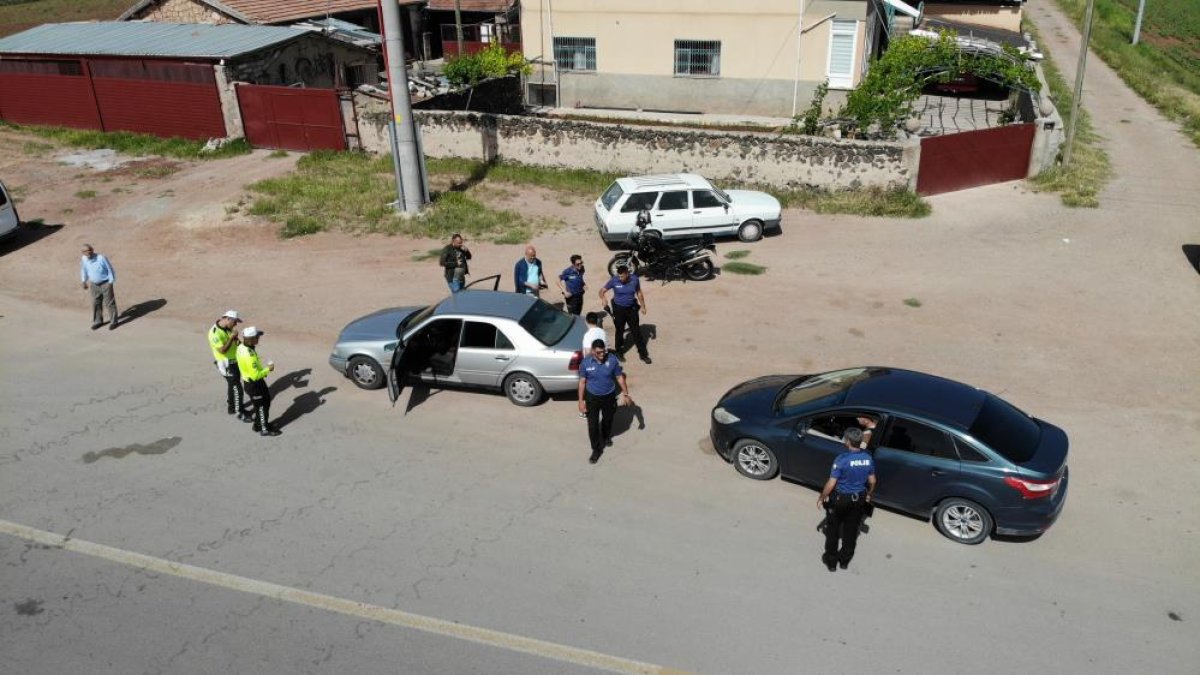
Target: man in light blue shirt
x: 528, y: 274
x: 96, y: 275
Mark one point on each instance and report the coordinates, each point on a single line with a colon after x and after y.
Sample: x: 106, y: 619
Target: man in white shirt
x: 594, y: 331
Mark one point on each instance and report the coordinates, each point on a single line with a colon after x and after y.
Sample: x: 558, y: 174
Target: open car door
x: 396, y: 373
x: 495, y: 279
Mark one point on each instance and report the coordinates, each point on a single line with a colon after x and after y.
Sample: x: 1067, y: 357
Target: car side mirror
x: 726, y: 208
x: 391, y: 346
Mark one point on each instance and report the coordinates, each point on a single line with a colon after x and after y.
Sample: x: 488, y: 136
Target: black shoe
x: 646, y: 359
x: 256, y: 428
x: 112, y: 326
x: 843, y: 564
x: 594, y: 458
x: 245, y: 418
x: 95, y: 326
x: 608, y: 442
x: 830, y: 564
x: 620, y: 355
x: 270, y: 432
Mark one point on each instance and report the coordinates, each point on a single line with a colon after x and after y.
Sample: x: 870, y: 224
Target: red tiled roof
x: 278, y: 11
x: 471, y: 5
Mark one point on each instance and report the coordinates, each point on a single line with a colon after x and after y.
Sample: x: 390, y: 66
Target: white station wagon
x: 9, y: 221
x: 684, y: 205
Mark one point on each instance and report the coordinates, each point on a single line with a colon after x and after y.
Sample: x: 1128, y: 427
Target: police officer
x: 600, y: 376
x: 851, y: 484
x: 572, y: 286
x: 627, y: 302
x: 254, y: 374
x: 222, y: 338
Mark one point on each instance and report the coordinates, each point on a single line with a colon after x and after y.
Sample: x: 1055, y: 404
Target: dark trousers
x: 574, y: 304
x: 628, y: 315
x: 233, y: 389
x: 845, y: 515
x: 600, y: 411
x: 103, y: 298
x: 260, y: 397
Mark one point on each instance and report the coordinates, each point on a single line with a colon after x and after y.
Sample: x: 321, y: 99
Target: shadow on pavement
x: 296, y: 378
x: 302, y: 405
x: 28, y: 233
x: 134, y: 312
x: 624, y: 416
x: 1192, y: 253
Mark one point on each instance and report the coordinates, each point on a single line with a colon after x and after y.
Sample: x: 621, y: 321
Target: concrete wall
x: 311, y: 61
x: 635, y: 51
x: 987, y: 16
x: 182, y: 11
x: 742, y: 158
x: 1050, y: 134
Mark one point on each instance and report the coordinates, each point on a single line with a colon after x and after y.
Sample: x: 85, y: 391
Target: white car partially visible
x: 684, y: 205
x: 8, y: 213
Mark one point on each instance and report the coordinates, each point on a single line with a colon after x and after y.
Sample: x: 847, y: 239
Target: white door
x: 843, y: 43
x: 710, y: 214
x: 672, y: 215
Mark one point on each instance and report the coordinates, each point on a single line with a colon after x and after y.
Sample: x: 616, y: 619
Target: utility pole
x: 1137, y: 25
x: 458, y: 25
x: 799, y: 35
x: 1083, y: 50
x: 406, y: 159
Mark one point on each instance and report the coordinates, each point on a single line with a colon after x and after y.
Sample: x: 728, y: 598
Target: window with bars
x: 573, y: 53
x: 842, y: 38
x: 698, y: 57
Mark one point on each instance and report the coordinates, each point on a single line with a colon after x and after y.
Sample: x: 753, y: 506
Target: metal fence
x: 698, y: 57
x: 575, y: 53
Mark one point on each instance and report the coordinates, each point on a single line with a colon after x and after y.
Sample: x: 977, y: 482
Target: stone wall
x: 182, y: 11
x: 748, y: 158
x: 1050, y: 133
x: 311, y: 61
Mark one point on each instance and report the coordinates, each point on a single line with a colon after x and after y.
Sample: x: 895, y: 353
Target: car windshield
x: 1008, y: 431
x: 414, y: 318
x: 611, y: 196
x: 832, y: 385
x: 548, y: 325
x: 724, y: 195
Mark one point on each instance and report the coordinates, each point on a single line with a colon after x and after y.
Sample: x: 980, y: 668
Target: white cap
x: 232, y: 314
x: 251, y: 332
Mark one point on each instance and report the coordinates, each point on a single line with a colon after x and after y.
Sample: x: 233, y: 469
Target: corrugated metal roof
x: 497, y: 6
x: 131, y: 38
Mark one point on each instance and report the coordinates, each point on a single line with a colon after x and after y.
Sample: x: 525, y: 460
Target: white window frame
x: 838, y: 28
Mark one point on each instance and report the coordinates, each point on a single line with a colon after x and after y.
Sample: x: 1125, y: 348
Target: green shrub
x: 492, y: 61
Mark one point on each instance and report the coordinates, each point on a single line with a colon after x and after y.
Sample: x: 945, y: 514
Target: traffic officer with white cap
x: 254, y: 374
x: 222, y: 339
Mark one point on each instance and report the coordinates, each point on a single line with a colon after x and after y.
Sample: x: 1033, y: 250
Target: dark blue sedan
x: 943, y: 449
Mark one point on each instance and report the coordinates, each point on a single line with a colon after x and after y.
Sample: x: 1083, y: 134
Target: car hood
x: 755, y: 396
x: 752, y: 199
x: 379, y: 325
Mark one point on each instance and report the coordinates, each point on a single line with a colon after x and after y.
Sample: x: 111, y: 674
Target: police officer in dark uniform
x: 600, y: 378
x: 572, y: 286
x: 627, y: 302
x: 844, y: 497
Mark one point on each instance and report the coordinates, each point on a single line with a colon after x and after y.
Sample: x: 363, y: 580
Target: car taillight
x: 576, y: 359
x: 1032, y: 489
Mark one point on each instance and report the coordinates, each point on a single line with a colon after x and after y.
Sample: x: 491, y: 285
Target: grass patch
x: 1079, y: 184
x: 86, y: 194
x: 743, y: 268
x: 872, y: 201
x: 278, y: 154
x: 426, y: 255
x: 36, y: 148
x: 1164, y: 67
x: 574, y: 181
x: 737, y: 255
x: 351, y: 192
x: 912, y: 302
x: 298, y: 226
x: 18, y: 16
x: 135, y: 144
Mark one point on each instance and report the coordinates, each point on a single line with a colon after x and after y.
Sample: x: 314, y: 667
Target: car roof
x: 678, y: 181
x: 486, y: 303
x: 905, y: 391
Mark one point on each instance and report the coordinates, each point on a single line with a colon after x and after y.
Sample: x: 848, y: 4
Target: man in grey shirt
x: 96, y: 274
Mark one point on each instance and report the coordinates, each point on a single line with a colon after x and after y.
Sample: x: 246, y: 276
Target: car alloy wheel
x: 365, y: 373
x: 751, y: 230
x: 523, y: 389
x: 963, y: 521
x: 754, y: 460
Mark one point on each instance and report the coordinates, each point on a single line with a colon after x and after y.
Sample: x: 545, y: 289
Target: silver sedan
x: 474, y: 338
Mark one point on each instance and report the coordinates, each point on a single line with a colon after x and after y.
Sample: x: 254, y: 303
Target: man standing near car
x: 572, y: 286
x: 454, y: 261
x: 627, y: 302
x: 254, y: 374
x: 223, y: 340
x: 600, y: 375
x: 529, y: 273
x: 96, y: 274
x: 845, y: 495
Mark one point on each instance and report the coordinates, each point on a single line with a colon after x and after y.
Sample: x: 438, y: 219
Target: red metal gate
x: 56, y: 92
x: 973, y: 158
x: 291, y: 118
x: 162, y: 98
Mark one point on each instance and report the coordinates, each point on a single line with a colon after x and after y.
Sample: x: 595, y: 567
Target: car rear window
x: 1006, y: 430
x: 833, y: 385
x: 546, y: 324
x: 611, y: 196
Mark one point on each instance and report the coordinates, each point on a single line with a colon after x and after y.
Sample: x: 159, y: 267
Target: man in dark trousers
x: 627, y: 302
x: 600, y: 375
x: 844, y: 497
x: 529, y: 273
x: 454, y: 261
x: 572, y: 286
x: 223, y: 340
x: 254, y: 374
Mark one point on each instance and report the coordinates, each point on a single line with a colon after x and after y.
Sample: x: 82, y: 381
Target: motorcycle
x: 651, y: 255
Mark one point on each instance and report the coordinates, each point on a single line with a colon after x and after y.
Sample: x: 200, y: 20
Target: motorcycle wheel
x: 699, y: 270
x: 619, y: 259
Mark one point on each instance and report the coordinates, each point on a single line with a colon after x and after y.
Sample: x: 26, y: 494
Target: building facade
x: 694, y: 56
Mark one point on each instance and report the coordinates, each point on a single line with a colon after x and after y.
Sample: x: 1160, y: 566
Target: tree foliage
x: 894, y: 81
x: 492, y: 61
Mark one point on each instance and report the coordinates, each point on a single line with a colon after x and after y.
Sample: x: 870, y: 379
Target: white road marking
x: 395, y: 617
